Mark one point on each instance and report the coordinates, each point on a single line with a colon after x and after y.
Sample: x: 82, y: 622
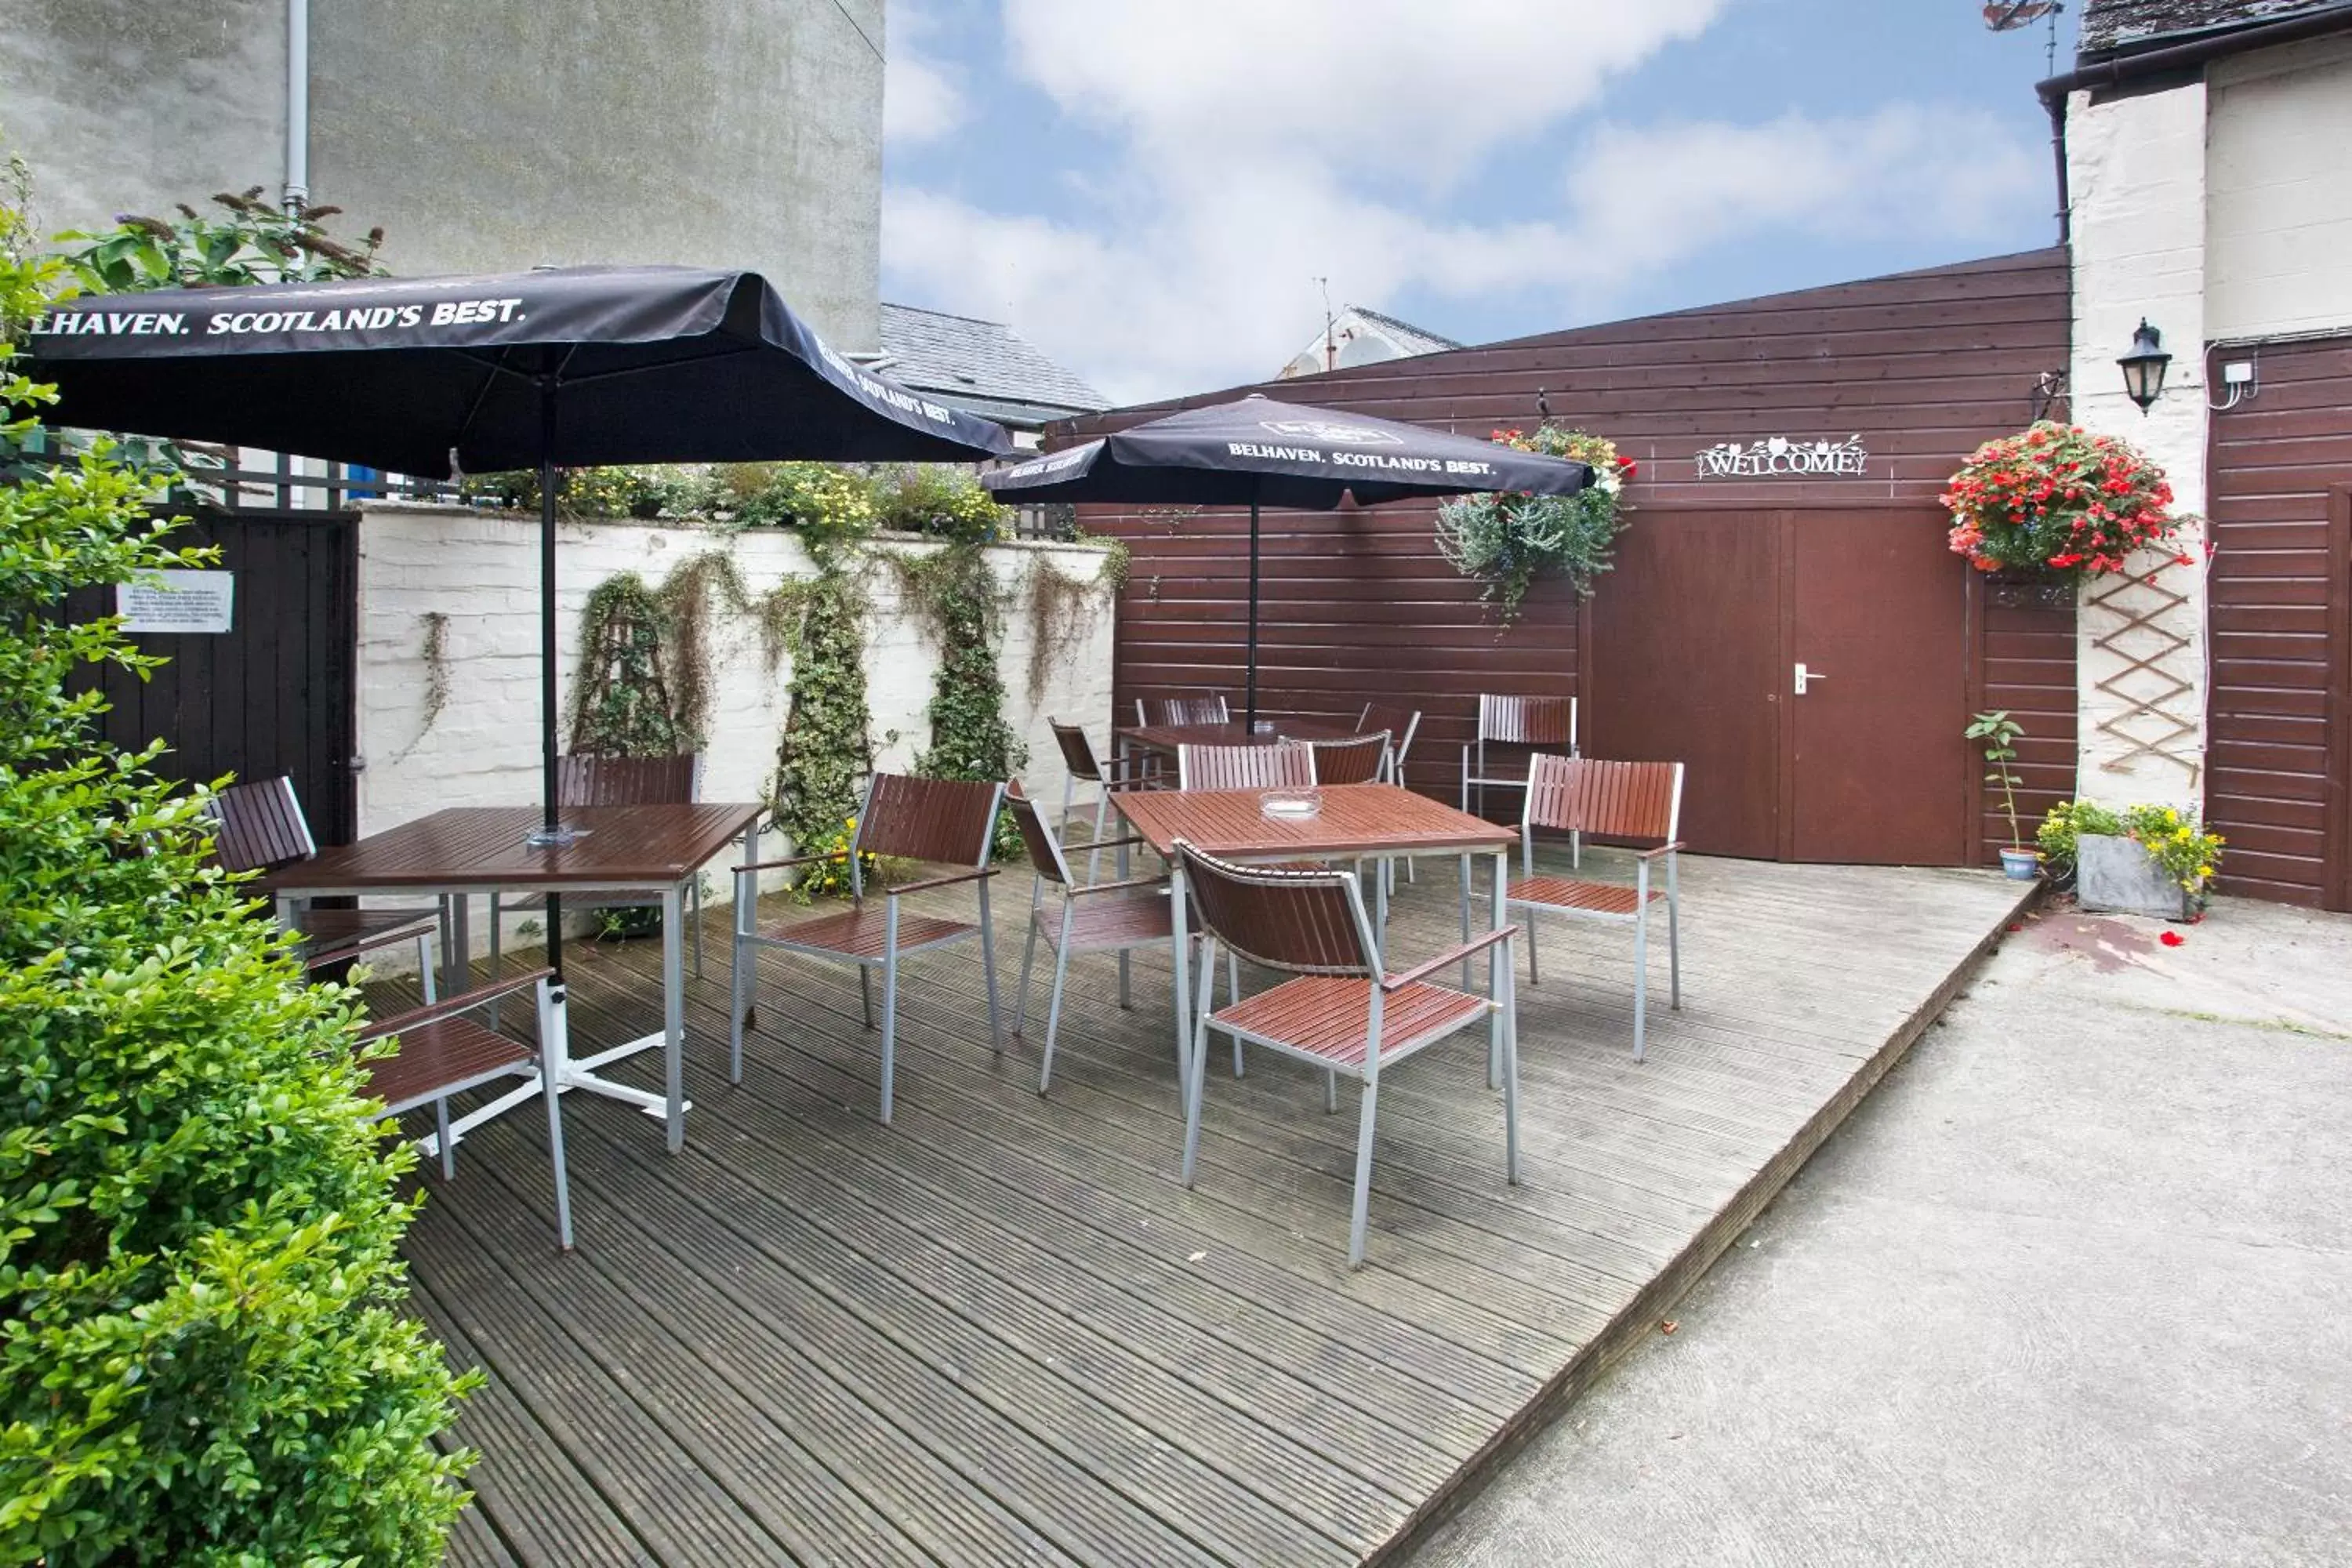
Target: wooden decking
x: 999, y: 1330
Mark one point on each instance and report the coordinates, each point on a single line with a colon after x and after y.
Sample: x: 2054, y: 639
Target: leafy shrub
x: 2174, y: 839
x: 251, y: 240
x: 202, y: 1360
x: 947, y: 501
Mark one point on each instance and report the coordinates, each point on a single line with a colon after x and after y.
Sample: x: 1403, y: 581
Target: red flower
x: 2171, y: 939
x: 1626, y: 468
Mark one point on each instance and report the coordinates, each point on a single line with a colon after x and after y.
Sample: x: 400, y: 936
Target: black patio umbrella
x: 1257, y: 451
x: 559, y: 367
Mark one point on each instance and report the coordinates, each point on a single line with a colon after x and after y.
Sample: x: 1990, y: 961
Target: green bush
x: 202, y: 1357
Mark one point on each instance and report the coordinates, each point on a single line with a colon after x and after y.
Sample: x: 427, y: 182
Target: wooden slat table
x: 1357, y: 822
x: 464, y: 850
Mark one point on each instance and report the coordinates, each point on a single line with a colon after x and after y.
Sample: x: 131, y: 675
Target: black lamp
x: 2143, y: 368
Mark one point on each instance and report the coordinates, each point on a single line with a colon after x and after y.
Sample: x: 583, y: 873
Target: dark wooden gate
x: 274, y: 694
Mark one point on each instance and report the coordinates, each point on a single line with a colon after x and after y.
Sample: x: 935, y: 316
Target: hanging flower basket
x: 2058, y: 503
x: 1510, y: 540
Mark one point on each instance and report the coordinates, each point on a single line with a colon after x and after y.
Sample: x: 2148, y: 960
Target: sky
x: 1149, y: 190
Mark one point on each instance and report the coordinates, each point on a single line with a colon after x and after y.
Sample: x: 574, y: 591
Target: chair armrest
x: 1080, y: 892
x: 1447, y: 959
x: 794, y: 861
x: 928, y: 883
x: 1661, y: 850
x: 1129, y: 842
x: 450, y: 1006
x: 342, y: 951
x: 1519, y: 782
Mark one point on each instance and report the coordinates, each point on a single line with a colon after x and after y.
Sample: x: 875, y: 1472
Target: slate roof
x: 983, y: 367
x: 2112, y: 26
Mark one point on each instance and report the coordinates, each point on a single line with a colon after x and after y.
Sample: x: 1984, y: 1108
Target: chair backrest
x: 1045, y: 855
x: 1402, y: 723
x: 259, y: 826
x: 1613, y: 800
x: 1283, y: 765
x: 1359, y: 759
x: 1183, y: 710
x: 942, y: 821
x: 1077, y: 753
x: 1528, y: 721
x: 1303, y: 922
x: 586, y: 778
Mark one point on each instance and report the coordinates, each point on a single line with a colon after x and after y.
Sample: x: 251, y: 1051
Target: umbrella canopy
x: 648, y: 365
x: 556, y: 367
x: 1256, y: 451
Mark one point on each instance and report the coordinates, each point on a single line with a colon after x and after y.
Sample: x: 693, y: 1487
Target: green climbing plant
x: 621, y: 705
x: 963, y: 606
x: 826, y: 750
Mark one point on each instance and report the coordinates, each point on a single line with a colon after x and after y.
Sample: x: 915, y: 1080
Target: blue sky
x: 1149, y: 188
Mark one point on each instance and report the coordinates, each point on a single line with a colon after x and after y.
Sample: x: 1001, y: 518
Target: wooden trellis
x: 2149, y: 683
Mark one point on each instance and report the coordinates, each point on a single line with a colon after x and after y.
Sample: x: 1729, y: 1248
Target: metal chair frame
x: 259, y: 826
x: 1403, y: 724
x: 588, y: 778
x: 446, y: 1053
x: 1625, y: 800
x: 899, y: 817
x: 1050, y: 865
x: 1344, y: 760
x: 1317, y: 958
x: 1532, y: 721
x: 1082, y: 766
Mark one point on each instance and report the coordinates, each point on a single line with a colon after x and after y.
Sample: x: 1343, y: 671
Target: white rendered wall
x: 2278, y: 198
x: 481, y: 571
x: 2135, y: 171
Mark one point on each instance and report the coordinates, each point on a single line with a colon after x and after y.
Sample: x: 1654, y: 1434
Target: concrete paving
x: 2073, y: 1286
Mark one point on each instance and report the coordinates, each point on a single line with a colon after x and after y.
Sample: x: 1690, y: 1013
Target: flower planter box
x: 2114, y: 874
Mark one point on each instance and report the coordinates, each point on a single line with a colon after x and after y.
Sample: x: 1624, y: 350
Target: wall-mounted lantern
x: 2144, y: 367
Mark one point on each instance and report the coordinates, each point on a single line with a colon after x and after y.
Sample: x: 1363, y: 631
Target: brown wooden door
x: 1875, y: 771
x: 1685, y: 653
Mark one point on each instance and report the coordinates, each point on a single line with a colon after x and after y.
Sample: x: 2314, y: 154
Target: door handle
x: 1806, y: 676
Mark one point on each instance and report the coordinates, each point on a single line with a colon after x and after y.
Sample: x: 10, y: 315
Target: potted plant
x: 2000, y: 734
x: 2144, y: 860
x: 1511, y: 540
x: 2058, y: 503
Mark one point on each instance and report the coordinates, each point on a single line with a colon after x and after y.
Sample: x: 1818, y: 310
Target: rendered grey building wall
x: 129, y: 106
x: 486, y: 135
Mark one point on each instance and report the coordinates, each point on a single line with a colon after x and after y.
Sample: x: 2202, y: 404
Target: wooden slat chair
x: 1538, y: 723
x: 584, y: 779
x: 1160, y: 710
x: 1642, y: 801
x: 935, y: 821
x: 259, y: 826
x: 1084, y: 767
x: 1402, y: 724
x: 1095, y: 917
x: 438, y: 1052
x: 1358, y: 759
x: 1286, y: 764
x: 1340, y: 1010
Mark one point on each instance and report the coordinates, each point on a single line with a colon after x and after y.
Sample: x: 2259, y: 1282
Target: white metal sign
x: 1775, y: 457
x: 180, y: 602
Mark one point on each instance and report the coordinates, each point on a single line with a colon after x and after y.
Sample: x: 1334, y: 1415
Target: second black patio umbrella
x: 1256, y: 451
x: 548, y: 369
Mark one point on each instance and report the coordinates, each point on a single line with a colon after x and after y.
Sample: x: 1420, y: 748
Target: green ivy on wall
x: 620, y: 704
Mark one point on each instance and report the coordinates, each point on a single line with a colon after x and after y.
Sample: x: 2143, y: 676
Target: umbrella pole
x: 551, y: 829
x: 1249, y: 699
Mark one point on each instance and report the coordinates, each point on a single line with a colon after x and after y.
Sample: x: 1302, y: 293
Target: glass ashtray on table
x: 1291, y: 804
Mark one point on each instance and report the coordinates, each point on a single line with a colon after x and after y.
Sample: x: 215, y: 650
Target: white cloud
x: 921, y: 101
x: 1261, y: 146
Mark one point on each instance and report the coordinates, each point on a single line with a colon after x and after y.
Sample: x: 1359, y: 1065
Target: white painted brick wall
x: 481, y: 571
x: 2279, y: 192
x: 2136, y: 169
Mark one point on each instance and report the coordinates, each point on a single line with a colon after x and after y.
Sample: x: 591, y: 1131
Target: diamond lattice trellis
x: 2154, y: 672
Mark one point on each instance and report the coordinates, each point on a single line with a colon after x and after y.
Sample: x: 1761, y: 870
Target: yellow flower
x: 2170, y: 815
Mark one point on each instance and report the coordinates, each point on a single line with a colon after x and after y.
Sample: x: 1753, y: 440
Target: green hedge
x: 203, y: 1360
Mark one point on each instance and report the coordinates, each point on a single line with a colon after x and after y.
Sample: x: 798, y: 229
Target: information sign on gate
x: 177, y: 601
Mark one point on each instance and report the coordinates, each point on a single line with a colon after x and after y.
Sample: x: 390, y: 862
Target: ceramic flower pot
x: 2114, y: 874
x: 2021, y: 865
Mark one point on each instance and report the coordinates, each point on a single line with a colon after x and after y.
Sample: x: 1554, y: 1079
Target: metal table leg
x: 674, y: 1014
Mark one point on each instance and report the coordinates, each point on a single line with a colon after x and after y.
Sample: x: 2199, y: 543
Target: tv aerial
x: 2008, y: 16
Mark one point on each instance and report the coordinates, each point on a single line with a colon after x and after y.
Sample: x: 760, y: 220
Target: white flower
x: 1611, y: 483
